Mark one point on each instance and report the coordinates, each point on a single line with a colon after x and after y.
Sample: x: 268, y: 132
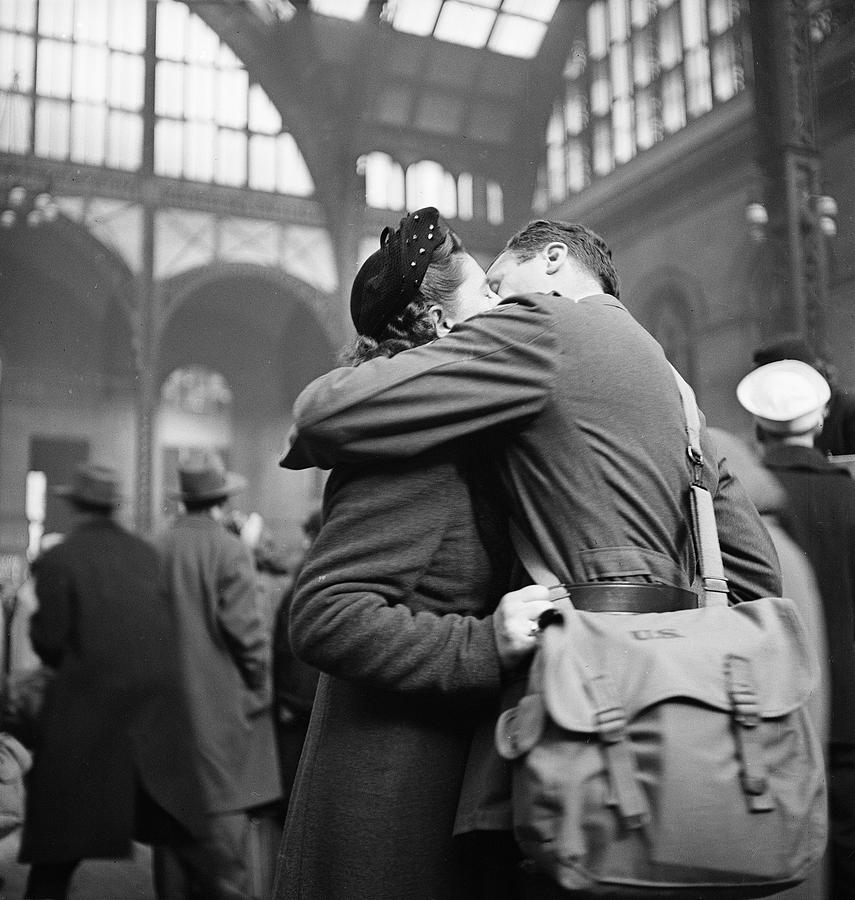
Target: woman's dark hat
x: 93, y: 485
x: 205, y: 480
x: 391, y: 277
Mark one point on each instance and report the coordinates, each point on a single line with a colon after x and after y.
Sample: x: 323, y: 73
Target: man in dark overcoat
x: 113, y: 760
x: 209, y: 581
x: 788, y: 400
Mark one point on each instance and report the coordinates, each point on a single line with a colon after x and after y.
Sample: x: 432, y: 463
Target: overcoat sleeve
x: 240, y: 618
x: 749, y: 556
x: 494, y: 369
x: 348, y: 616
x: 747, y: 551
x: 50, y: 625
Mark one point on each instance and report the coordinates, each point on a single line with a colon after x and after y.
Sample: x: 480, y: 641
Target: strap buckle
x: 746, y: 713
x: 741, y: 692
x: 746, y: 710
x: 611, y: 724
x: 697, y: 460
x: 719, y: 585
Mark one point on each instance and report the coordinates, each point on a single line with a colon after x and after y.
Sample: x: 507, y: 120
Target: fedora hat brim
x: 69, y: 493
x: 233, y: 484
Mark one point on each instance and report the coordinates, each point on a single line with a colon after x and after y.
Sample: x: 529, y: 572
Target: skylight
x: 352, y: 10
x: 464, y: 23
x: 510, y: 27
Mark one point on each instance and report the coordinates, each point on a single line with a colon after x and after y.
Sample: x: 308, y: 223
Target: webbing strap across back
x: 703, y: 524
x: 713, y: 581
x: 532, y: 560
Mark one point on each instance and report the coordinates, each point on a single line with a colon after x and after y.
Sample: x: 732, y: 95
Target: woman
x: 393, y: 606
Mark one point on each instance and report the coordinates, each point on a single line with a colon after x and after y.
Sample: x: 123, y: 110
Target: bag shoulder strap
x: 713, y: 581
x: 703, y: 524
x: 531, y: 559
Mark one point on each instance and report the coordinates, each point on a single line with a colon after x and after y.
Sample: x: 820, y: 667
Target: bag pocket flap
x: 652, y: 657
x: 520, y: 727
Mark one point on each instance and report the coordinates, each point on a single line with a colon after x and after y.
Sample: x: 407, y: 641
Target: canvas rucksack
x: 669, y: 754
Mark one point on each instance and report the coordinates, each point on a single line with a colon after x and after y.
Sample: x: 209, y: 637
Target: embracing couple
x: 527, y: 395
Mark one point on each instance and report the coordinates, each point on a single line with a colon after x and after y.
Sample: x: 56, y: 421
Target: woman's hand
x: 515, y: 623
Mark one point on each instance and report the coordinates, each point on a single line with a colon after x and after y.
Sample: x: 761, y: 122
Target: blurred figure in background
x: 113, y: 760
x: 788, y: 400
x: 799, y: 583
x: 224, y: 650
x: 272, y: 569
x: 837, y: 436
x: 294, y: 682
x: 25, y: 676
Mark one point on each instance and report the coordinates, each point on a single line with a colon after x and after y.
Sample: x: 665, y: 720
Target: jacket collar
x: 592, y: 299
x: 805, y: 459
x: 602, y: 300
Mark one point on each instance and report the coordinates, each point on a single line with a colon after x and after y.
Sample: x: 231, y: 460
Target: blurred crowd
x: 150, y: 693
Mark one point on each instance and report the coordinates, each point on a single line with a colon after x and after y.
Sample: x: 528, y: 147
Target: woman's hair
x: 414, y: 326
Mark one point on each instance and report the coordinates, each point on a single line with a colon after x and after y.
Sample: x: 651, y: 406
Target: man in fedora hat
x: 224, y: 651
x: 788, y: 400
x: 112, y: 758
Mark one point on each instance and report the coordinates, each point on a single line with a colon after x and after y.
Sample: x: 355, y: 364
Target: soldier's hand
x: 515, y: 623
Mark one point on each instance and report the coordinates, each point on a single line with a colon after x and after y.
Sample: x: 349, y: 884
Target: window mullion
x: 34, y: 101
x: 148, y: 109
x: 684, y: 68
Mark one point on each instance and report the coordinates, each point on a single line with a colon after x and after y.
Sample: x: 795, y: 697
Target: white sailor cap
x: 785, y: 397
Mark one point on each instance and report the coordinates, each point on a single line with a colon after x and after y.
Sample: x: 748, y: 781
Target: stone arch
x: 68, y: 356
x: 671, y: 305
x: 69, y: 252
x: 319, y: 305
x: 77, y: 292
x: 265, y: 333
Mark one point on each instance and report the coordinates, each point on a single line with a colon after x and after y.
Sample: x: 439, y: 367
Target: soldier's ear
x: 556, y: 255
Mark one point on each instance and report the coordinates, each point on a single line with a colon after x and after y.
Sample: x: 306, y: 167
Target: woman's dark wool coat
x: 411, y: 553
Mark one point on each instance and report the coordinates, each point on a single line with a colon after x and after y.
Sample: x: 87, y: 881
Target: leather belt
x: 626, y: 597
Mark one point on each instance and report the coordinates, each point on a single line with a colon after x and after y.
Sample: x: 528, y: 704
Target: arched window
x: 72, y: 87
x: 72, y: 80
x: 384, y: 180
x: 195, y: 415
x: 644, y: 70
x: 211, y: 123
x: 428, y: 184
x: 465, y: 196
x: 495, y: 203
x: 670, y: 322
x: 195, y: 409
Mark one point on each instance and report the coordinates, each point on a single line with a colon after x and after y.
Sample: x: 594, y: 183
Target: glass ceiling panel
x: 463, y: 23
x: 542, y: 10
x: 353, y: 10
x: 516, y: 36
x: 510, y: 27
x: 416, y: 16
